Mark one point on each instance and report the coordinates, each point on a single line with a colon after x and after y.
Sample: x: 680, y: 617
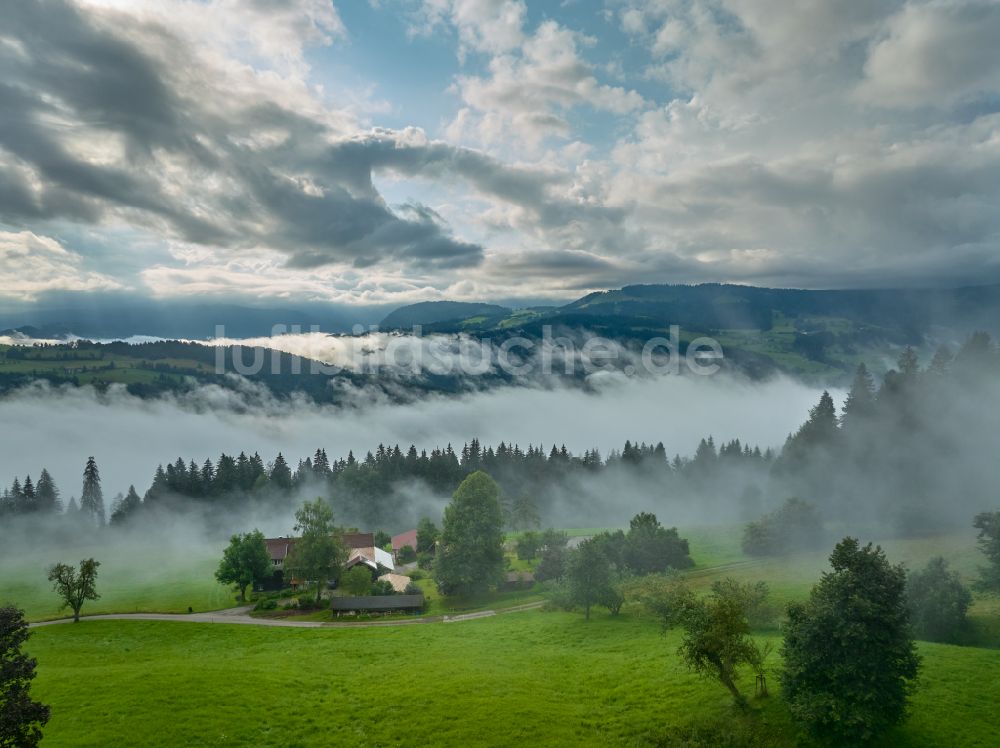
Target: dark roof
x: 378, y: 602
x: 278, y: 548
x: 519, y: 576
x: 359, y: 539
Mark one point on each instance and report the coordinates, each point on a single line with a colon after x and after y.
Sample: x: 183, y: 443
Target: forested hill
x: 431, y: 312
x: 710, y: 307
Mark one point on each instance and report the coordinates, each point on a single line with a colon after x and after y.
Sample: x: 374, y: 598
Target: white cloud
x: 530, y: 94
x: 935, y: 54
x: 31, y: 265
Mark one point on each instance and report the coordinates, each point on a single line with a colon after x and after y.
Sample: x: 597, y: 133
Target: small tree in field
x: 716, y: 639
x: 75, y: 587
x: 850, y: 659
x: 938, y: 601
x: 244, y: 562
x: 588, y: 574
x: 21, y: 718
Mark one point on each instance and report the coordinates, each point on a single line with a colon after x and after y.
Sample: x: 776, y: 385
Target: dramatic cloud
x: 219, y: 146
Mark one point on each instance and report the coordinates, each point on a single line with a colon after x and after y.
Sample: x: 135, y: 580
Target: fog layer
x: 59, y: 428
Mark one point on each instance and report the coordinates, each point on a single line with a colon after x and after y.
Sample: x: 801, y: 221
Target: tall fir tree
x: 860, y: 401
x: 92, y: 498
x: 47, y: 495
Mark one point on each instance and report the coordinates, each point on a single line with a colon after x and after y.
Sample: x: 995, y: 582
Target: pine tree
x: 281, y: 474
x: 47, y: 494
x: 860, y: 401
x: 29, y: 502
x: 126, y: 508
x: 92, y: 498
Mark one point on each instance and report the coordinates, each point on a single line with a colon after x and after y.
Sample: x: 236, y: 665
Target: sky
x: 391, y: 151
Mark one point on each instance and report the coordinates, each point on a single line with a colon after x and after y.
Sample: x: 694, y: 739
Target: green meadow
x: 523, y: 677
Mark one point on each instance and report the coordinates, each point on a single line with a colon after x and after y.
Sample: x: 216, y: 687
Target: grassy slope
x: 134, y: 578
x: 548, y: 678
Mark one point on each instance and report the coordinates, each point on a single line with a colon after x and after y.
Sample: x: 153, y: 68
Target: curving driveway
x: 241, y: 616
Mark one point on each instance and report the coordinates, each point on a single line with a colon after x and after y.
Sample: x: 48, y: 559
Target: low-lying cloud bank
x: 58, y: 428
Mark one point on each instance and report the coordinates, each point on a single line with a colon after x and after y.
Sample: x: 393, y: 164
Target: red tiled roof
x: 405, y: 538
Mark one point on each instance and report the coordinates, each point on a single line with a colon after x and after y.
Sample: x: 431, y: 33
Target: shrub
x: 938, y: 601
x: 266, y: 605
x: 406, y: 554
x: 558, y: 596
x: 307, y: 601
x: 425, y: 561
x: 357, y: 581
x: 796, y: 525
x: 413, y: 589
x: 382, y: 587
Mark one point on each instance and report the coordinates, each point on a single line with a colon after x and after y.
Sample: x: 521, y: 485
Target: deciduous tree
x: 470, y: 556
x: 21, y: 718
x: 318, y: 554
x: 245, y: 562
x: 850, y: 659
x: 75, y: 587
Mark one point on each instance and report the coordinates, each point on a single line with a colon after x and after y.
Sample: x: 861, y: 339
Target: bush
x: 558, y: 596
x: 425, y: 561
x: 938, y: 602
x: 308, y: 602
x: 413, y: 589
x: 416, y: 575
x: 751, y: 598
x: 795, y: 526
x: 266, y: 605
x: 357, y: 581
x: 406, y: 554
x: 382, y: 587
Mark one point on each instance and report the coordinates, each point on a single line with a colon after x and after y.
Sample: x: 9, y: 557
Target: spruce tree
x: 29, y: 501
x: 860, y: 401
x: 281, y: 474
x: 92, y: 498
x: 47, y: 495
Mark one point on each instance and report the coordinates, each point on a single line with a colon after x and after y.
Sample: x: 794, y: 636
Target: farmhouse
x: 360, y: 546
x: 361, y: 549
x: 404, y: 538
x: 278, y: 549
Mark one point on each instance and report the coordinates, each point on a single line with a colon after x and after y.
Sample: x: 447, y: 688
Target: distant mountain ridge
x: 433, y: 312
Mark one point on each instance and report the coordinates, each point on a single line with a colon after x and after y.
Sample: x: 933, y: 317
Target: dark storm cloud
x: 74, y: 75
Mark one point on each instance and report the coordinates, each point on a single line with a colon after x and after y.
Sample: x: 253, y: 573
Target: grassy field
x: 147, y: 578
x: 526, y: 677
x: 532, y: 677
